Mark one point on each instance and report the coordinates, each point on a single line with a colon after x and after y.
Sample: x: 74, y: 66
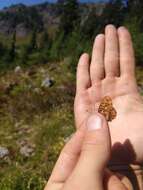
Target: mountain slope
x: 23, y: 18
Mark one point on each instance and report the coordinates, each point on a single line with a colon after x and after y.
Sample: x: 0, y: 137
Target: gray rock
x: 22, y: 142
x: 18, y: 69
x: 27, y: 151
x: 18, y: 123
x: 21, y: 30
x: 3, y: 152
x: 47, y: 82
x: 61, y: 87
x: 29, y: 86
x: 6, y: 27
x: 37, y: 90
x: 42, y: 71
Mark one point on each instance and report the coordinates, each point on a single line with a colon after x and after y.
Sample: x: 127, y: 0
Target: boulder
x: 17, y: 69
x: 47, y: 82
x: 3, y: 152
x: 27, y: 150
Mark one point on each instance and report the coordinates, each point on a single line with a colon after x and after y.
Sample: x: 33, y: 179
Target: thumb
x: 95, y: 153
x: 96, y: 148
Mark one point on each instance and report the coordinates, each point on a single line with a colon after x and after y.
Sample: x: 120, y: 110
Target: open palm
x: 111, y: 73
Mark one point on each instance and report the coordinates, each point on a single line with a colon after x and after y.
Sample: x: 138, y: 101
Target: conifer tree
x: 69, y: 15
x: 45, y: 41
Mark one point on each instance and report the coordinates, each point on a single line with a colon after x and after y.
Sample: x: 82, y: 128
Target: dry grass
x: 40, y: 118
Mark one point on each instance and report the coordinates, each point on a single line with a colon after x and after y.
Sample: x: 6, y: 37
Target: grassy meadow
x: 34, y: 117
x: 37, y: 118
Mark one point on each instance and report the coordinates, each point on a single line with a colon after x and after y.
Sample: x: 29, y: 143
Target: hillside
x: 38, y: 80
x: 23, y: 18
x: 36, y: 119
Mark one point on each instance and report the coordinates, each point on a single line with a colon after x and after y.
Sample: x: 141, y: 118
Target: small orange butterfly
x: 106, y: 109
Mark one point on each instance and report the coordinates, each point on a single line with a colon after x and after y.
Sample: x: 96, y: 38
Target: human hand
x: 82, y: 162
x: 112, y: 73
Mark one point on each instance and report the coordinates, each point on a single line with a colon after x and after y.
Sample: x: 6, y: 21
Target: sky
x: 6, y: 3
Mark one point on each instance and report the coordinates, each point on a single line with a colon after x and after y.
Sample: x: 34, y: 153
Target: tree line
x: 75, y: 34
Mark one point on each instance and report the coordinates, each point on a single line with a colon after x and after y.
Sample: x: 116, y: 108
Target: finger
x: 83, y: 78
x: 125, y: 180
x: 111, y: 51
x: 111, y: 182
x: 96, y: 146
x: 97, y: 61
x: 127, y: 59
x: 95, y: 153
x: 67, y: 158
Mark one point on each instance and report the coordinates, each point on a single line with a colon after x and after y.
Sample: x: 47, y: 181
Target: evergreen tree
x: 45, y: 41
x: 134, y: 6
x: 90, y: 25
x: 33, y: 41
x: 44, y: 47
x: 56, y: 50
x: 29, y: 48
x: 113, y: 13
x: 11, y: 52
x: 69, y: 15
x: 2, y: 49
x: 133, y: 24
x: 135, y: 9
x: 24, y: 55
x: 13, y: 47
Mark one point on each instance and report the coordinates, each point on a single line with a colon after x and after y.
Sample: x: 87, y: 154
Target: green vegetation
x: 37, y: 117
x: 73, y: 35
x: 29, y: 17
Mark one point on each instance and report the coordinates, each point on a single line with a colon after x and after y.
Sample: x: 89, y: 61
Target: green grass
x: 47, y: 134
x: 43, y: 120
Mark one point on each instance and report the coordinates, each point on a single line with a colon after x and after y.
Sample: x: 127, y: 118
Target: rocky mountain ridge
x: 22, y: 18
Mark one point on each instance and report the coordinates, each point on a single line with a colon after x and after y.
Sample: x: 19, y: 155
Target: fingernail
x: 122, y: 28
x: 94, y: 123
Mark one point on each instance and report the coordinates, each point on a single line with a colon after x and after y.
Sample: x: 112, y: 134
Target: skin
x: 90, y: 147
x: 111, y: 72
x: 108, y: 74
